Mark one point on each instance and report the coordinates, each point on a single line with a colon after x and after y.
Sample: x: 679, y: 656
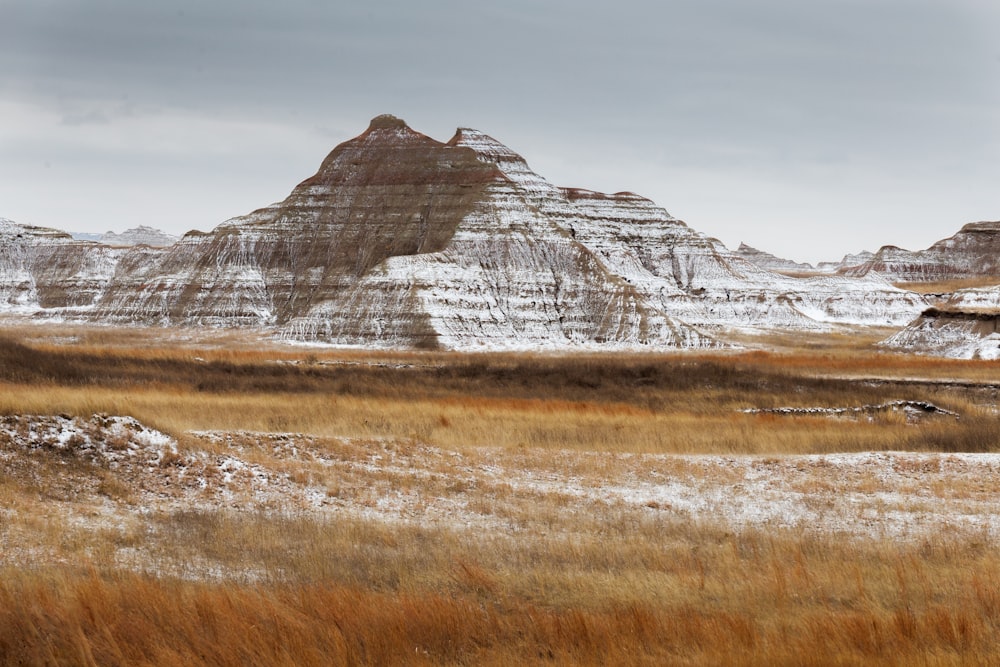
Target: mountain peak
x: 387, y: 122
x: 485, y: 146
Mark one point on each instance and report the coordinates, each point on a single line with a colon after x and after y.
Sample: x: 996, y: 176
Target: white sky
x: 807, y: 129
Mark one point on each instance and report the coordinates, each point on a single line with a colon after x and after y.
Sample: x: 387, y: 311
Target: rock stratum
x: 965, y: 326
x: 400, y: 240
x: 766, y: 260
x: 973, y: 252
x: 141, y: 235
x: 47, y: 270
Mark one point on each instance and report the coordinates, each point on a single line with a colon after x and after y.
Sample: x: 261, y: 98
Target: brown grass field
x: 343, y: 507
x: 940, y: 287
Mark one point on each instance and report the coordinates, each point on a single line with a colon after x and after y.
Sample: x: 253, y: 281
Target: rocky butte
x: 966, y: 325
x: 973, y: 252
x: 400, y: 240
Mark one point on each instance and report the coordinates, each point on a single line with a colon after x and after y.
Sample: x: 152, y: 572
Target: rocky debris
x: 914, y: 410
x: 136, y: 464
x: 104, y: 439
x: 973, y: 252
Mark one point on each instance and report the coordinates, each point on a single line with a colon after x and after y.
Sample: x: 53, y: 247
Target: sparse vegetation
x: 223, y: 573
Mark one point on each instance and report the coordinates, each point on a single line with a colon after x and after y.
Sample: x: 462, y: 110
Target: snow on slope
x: 686, y: 274
x: 965, y: 326
x: 46, y: 269
x: 972, y: 252
x: 141, y: 235
x: 766, y: 260
x: 126, y: 474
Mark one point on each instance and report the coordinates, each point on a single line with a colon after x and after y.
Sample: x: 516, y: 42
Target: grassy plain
x: 110, y: 565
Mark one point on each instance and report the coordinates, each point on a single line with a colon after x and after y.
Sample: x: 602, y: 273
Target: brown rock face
x: 390, y: 191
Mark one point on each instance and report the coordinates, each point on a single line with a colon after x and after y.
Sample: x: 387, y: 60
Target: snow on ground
x: 518, y: 492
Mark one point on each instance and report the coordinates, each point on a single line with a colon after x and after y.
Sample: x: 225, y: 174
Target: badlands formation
x: 401, y: 241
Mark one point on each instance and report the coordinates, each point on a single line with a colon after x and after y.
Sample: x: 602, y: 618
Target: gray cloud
x: 747, y: 119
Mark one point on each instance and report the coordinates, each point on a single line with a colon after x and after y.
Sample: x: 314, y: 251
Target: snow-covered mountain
x: 47, y: 270
x: 849, y: 260
x: 973, y: 252
x: 400, y: 240
x: 766, y: 260
x: 141, y: 235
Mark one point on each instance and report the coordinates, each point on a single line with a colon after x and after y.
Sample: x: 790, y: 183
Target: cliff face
x: 974, y: 252
x: 965, y: 326
x: 44, y: 268
x: 400, y: 240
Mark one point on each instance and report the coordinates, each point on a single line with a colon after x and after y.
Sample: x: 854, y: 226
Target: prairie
x: 317, y: 506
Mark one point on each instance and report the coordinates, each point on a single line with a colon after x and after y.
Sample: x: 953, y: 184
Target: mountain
x: 44, y: 269
x: 973, y: 252
x: 397, y: 240
x: 400, y: 240
x: 766, y: 260
x: 849, y: 260
x: 141, y: 235
x: 686, y: 274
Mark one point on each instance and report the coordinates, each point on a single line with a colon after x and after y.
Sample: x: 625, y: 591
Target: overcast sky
x: 808, y: 128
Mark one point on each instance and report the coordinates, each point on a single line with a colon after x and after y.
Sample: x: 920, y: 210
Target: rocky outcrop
x: 681, y: 272
x: 398, y: 240
x: 42, y: 268
x: 141, y: 235
x: 389, y: 191
x: 974, y: 252
x: 965, y: 326
x: 849, y: 260
x: 766, y: 260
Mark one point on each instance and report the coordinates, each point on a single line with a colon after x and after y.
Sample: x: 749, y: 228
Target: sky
x: 809, y: 129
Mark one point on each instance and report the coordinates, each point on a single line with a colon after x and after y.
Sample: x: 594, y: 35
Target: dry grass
x: 946, y: 286
x: 643, y: 403
x: 669, y: 595
x: 466, y: 519
x: 684, y: 426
